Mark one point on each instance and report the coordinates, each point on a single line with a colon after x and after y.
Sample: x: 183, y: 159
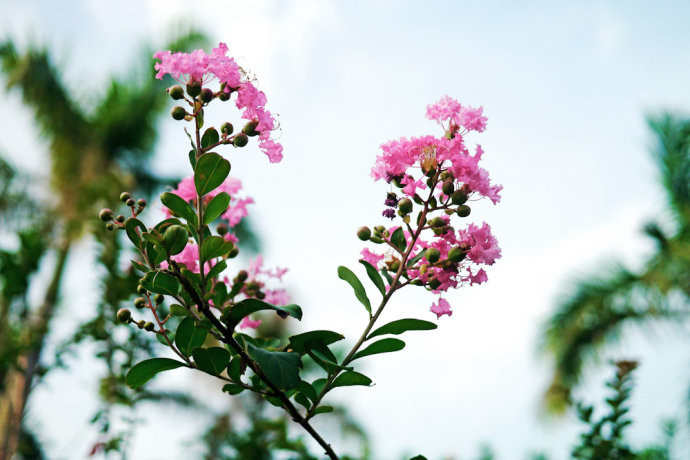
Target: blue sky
x: 566, y: 88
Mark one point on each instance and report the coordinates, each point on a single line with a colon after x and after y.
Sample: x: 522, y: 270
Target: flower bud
x: 194, y: 88
x: 250, y: 128
x: 262, y: 295
x: 464, y: 210
x: 458, y: 197
x: 178, y: 113
x: 110, y: 226
x: 437, y: 222
x: 364, y: 233
x: 141, y: 289
x: 456, y: 255
x: 140, y: 302
x: 148, y: 326
x: 222, y: 229
x: 432, y: 255
x: 106, y: 215
x: 223, y: 96
x: 376, y: 239
x: 159, y: 298
x: 124, y: 196
x: 206, y: 95
x: 405, y: 205
x: 120, y: 218
x: 226, y: 128
x: 141, y: 203
x: 379, y: 229
x: 176, y: 92
x: 141, y: 324
x: 233, y: 253
x: 434, y: 283
x: 124, y: 315
x: 242, y: 276
x: 448, y: 188
x: 446, y: 176
x: 240, y: 140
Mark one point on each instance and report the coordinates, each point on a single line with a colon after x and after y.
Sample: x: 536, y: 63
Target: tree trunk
x: 19, y: 382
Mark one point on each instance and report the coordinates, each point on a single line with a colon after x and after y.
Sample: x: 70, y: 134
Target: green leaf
x: 382, y: 346
x: 217, y: 206
x: 210, y: 137
x: 303, y: 400
x: 211, y: 360
x: 139, y: 266
x: 214, y: 246
x: 162, y: 340
x: 192, y: 157
x: 233, y: 389
x: 318, y: 385
x: 188, y: 336
x: 351, y: 378
x: 146, y: 370
x: 415, y: 259
x: 374, y: 276
x: 346, y: 274
x: 398, y: 239
x: 307, y: 390
x: 236, y: 368
x: 178, y: 310
x: 402, y: 325
x: 131, y: 226
x: 216, y: 270
x: 326, y: 360
x: 161, y: 283
x: 249, y: 306
x: 200, y: 119
x: 301, y: 343
x: 211, y: 170
x: 179, y: 207
x: 323, y: 410
x: 281, y: 368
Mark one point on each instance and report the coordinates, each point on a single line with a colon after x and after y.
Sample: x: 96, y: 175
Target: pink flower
x: 478, y: 278
x: 448, y: 109
x: 442, y: 308
x: 237, y: 211
x: 277, y: 297
x: 412, y: 185
x: 247, y: 322
x: 371, y: 257
x: 189, y: 257
x: 256, y: 269
x: 199, y: 66
x: 483, y: 245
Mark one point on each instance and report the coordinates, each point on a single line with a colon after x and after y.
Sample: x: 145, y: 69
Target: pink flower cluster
x: 261, y: 277
x: 405, y: 162
x: 238, y: 206
x: 204, y: 68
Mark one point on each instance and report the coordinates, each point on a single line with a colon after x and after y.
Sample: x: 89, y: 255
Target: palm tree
x: 93, y: 154
x: 593, y: 314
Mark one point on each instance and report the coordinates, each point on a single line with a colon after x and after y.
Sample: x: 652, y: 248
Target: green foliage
x: 212, y: 360
x: 179, y: 207
x: 351, y: 378
x: 248, y: 306
x: 382, y: 346
x: 402, y: 325
x: 346, y: 274
x: 374, y: 276
x: 282, y: 368
x: 210, y: 171
x: 189, y: 336
x: 216, y: 207
x: 594, y: 311
x: 146, y: 370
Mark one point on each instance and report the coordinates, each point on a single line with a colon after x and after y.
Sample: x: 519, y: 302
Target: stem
x: 227, y: 334
x: 372, y: 320
x: 230, y: 340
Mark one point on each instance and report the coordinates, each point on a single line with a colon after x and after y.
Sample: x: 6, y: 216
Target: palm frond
x: 672, y: 154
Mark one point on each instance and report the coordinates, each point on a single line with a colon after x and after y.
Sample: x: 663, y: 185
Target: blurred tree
x: 92, y: 154
x: 598, y: 307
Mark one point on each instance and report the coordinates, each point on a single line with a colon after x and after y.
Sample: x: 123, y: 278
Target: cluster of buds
x: 118, y: 221
x: 195, y: 72
x: 453, y: 255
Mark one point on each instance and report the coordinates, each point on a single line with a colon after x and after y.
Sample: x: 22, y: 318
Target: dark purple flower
x: 388, y: 213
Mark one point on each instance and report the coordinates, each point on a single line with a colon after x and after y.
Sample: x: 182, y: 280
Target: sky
x: 566, y: 88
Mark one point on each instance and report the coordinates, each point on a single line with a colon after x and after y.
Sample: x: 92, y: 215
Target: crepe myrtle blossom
x: 255, y: 286
x: 446, y: 172
x: 197, y: 69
